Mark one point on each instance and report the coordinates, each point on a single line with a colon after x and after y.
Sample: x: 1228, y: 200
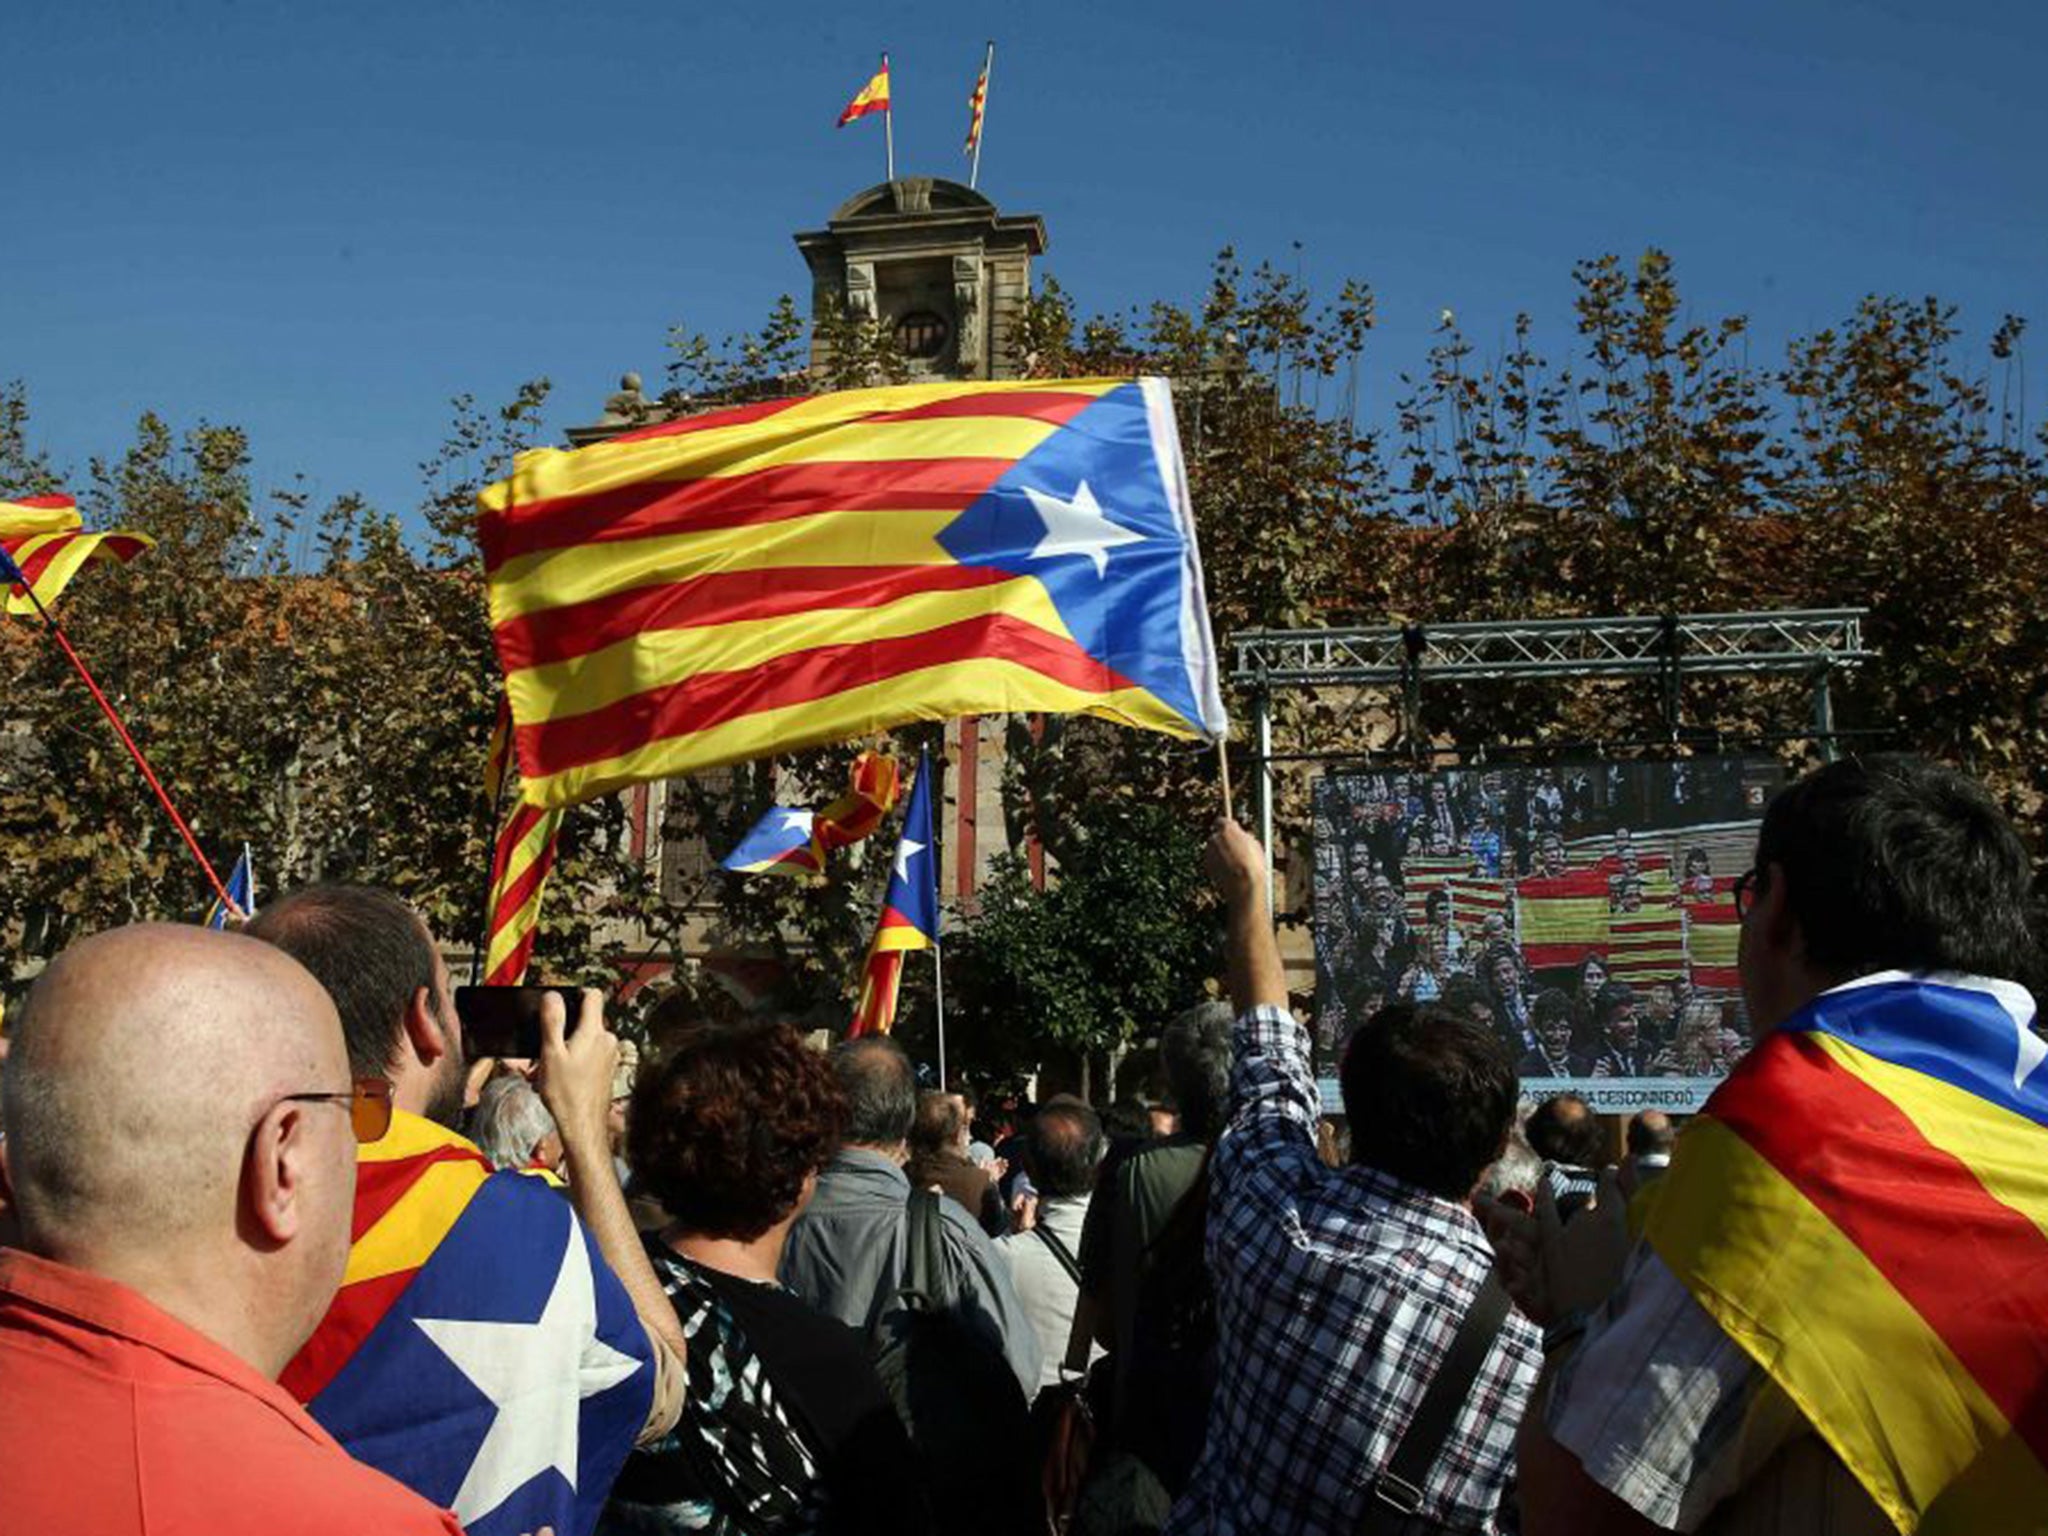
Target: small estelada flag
x: 872, y: 97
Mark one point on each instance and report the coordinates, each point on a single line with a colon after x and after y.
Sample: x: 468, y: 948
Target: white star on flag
x: 1078, y: 526
x: 905, y: 852
x: 537, y: 1375
x: 796, y: 821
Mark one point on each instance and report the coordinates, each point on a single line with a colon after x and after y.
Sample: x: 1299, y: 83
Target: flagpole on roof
x: 889, y: 119
x: 988, y: 66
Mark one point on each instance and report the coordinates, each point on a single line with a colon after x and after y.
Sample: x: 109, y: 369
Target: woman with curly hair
x: 786, y: 1427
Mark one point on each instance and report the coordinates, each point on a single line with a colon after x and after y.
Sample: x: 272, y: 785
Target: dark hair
x: 1194, y: 1051
x: 1897, y: 863
x: 1063, y: 1147
x: 1615, y: 997
x: 1565, y: 1130
x: 937, y: 1123
x: 368, y: 949
x: 724, y: 1131
x: 1549, y: 1004
x: 1462, y: 993
x: 1429, y: 1095
x: 1650, y: 1130
x: 880, y: 1087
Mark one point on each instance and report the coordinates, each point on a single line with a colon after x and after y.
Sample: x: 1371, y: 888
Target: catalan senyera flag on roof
x: 1863, y: 1207
x: 804, y: 571
x: 44, y: 536
x: 872, y: 97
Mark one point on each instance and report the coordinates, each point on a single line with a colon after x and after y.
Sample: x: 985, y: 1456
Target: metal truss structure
x: 1813, y: 642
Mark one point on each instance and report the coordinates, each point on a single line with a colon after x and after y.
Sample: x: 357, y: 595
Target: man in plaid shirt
x: 1339, y: 1291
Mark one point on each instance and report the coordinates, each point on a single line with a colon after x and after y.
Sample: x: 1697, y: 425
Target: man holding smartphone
x: 490, y: 1348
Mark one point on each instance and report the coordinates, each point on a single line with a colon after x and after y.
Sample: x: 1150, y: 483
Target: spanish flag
x: 872, y: 97
x: 43, y: 537
x: 1863, y: 1207
x: 799, y: 572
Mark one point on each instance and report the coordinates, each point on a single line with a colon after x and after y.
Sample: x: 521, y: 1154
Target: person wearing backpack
x: 847, y: 1251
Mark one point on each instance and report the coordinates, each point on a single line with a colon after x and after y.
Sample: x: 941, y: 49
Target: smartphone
x: 505, y: 1021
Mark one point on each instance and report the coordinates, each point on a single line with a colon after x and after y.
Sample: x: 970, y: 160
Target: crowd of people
x: 1520, y: 896
x: 276, y: 1255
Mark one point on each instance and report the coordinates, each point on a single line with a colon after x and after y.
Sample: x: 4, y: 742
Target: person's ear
x: 423, y: 1030
x: 280, y: 1162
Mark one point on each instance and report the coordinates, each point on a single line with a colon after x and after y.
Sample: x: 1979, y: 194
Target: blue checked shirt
x: 1338, y: 1292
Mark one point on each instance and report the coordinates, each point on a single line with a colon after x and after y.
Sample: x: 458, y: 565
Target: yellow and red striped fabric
x: 520, y: 866
x: 870, y: 795
x: 805, y: 571
x: 1562, y: 918
x: 411, y: 1188
x: 1712, y: 930
x: 1646, y: 946
x: 44, y: 536
x: 872, y: 97
x: 977, y: 105
x: 874, y: 1012
x: 1863, y: 1207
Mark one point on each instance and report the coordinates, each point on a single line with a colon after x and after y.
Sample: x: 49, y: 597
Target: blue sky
x: 322, y: 222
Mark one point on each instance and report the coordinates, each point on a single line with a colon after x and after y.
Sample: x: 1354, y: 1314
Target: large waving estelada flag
x: 1863, y: 1207
x: 910, y: 913
x: 479, y: 1350
x: 45, y: 538
x: 805, y: 571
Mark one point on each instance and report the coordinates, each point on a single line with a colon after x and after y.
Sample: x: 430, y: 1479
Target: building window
x: 922, y: 335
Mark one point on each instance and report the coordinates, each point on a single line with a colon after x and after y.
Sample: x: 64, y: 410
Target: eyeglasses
x: 369, y: 1106
x: 1746, y: 886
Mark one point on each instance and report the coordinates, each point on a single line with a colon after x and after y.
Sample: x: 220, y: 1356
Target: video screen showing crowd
x: 1585, y: 913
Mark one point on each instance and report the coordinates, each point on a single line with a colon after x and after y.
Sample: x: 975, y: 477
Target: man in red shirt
x: 180, y: 1147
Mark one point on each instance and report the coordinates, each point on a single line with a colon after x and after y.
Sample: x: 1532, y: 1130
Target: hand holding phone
x: 505, y: 1021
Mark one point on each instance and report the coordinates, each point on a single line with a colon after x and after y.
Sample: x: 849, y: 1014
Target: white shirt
x: 1048, y: 1293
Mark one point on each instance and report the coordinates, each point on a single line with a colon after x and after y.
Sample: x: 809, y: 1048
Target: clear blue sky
x: 321, y: 222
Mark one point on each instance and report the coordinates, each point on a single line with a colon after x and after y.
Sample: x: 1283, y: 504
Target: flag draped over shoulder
x: 872, y: 97
x: 798, y: 572
x: 45, y: 539
x: 1862, y: 1208
x: 479, y: 1350
x: 910, y: 913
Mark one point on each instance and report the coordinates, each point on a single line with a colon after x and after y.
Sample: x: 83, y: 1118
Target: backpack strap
x: 924, y: 1264
x: 1396, y: 1494
x: 1047, y: 1236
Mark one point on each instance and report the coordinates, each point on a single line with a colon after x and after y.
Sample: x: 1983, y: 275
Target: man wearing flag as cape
x: 1837, y: 1319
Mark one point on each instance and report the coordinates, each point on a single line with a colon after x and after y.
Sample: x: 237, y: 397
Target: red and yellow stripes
x: 411, y: 1189
x: 874, y: 1013
x: 520, y: 867
x: 872, y: 97
x: 977, y: 107
x: 1562, y: 918
x: 43, y: 536
x: 1878, y: 1240
x: 871, y: 794
x: 771, y: 577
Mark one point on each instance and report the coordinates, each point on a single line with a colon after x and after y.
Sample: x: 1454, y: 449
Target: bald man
x: 181, y: 1155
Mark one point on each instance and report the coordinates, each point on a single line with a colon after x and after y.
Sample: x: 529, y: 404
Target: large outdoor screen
x: 1586, y: 914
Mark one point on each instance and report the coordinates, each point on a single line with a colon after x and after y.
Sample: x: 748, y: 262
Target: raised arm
x: 575, y: 1082
x: 1274, y: 1103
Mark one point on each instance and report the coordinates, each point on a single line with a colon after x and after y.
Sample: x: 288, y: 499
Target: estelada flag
x: 44, y: 537
x: 1861, y: 1207
x: 797, y: 572
x: 480, y: 1350
x: 783, y: 842
x: 872, y: 97
x: 910, y: 913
